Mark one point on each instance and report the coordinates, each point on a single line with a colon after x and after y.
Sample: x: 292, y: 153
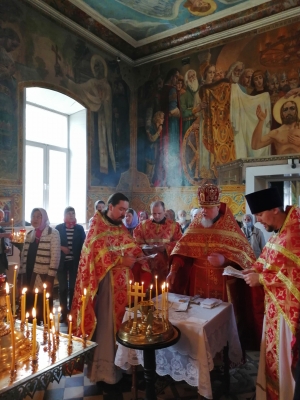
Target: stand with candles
x: 14, y: 347
x: 152, y: 324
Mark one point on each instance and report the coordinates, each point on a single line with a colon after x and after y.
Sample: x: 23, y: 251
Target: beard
x: 206, y: 222
x: 194, y: 86
x: 234, y: 78
x: 181, y: 220
x: 289, y: 119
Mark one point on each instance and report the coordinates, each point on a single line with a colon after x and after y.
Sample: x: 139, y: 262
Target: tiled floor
x: 78, y: 387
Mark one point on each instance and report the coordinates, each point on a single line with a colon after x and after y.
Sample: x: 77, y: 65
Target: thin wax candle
x: 44, y: 303
x: 14, y: 290
x: 12, y: 328
x: 35, y: 297
x: 83, y: 312
x: 33, y: 333
x: 70, y: 330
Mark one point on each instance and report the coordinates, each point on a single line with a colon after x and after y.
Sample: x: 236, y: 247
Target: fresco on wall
x: 33, y: 48
x: 142, y: 19
x: 229, y: 102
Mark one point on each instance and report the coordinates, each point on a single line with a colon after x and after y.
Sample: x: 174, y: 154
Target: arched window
x: 55, y: 154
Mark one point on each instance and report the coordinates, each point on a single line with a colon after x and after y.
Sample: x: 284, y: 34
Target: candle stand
x: 22, y: 344
x: 148, y: 332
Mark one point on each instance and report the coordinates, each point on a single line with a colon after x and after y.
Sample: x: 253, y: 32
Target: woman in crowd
x: 131, y: 220
x: 98, y: 206
x: 40, y: 259
x: 142, y: 216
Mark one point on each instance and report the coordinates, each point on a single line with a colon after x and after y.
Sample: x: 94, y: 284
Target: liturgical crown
x: 209, y: 195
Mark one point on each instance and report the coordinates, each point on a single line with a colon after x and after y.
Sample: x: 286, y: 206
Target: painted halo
x: 213, y: 7
x: 279, y: 104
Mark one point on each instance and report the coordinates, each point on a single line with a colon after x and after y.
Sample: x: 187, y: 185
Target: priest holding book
x: 213, y: 241
x: 278, y: 271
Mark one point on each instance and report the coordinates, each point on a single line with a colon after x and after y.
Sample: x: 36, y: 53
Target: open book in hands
x: 230, y: 271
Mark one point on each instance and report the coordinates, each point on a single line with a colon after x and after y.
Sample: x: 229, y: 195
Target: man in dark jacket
x: 72, y: 237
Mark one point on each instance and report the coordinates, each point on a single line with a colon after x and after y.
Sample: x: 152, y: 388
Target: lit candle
x: 129, y: 296
x: 142, y: 290
x: 35, y: 297
x: 156, y: 292
x: 12, y: 226
x: 33, y: 333
x: 44, y: 303
x: 12, y: 328
x: 83, y: 312
x: 58, y: 317
x: 70, y: 330
x: 151, y: 291
x: 26, y: 320
x: 47, y: 310
x: 14, y: 290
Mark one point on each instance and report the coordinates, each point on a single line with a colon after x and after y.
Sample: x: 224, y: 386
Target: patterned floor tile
x: 73, y: 392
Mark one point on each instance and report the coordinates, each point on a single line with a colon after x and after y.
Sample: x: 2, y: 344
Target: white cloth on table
x: 204, y: 332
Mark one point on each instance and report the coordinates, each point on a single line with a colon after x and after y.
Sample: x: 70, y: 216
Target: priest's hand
x: 252, y: 279
x: 128, y: 261
x: 248, y: 271
x: 171, y: 278
x: 216, y: 259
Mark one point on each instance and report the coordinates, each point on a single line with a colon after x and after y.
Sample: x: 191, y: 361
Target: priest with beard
x: 213, y: 241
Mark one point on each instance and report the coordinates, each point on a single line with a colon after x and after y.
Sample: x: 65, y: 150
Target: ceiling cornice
x: 209, y: 35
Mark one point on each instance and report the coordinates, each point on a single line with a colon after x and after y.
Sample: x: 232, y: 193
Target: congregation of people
x: 190, y: 255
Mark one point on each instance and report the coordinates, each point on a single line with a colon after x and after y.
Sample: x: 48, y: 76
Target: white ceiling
x: 53, y: 100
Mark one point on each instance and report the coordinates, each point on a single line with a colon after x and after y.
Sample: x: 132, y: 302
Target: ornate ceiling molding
x: 264, y: 17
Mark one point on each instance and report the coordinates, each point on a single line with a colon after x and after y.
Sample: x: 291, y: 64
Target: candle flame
x: 36, y: 290
x: 51, y: 315
x: 47, y: 295
x: 24, y: 290
x: 84, y: 291
x: 27, y: 315
x: 7, y: 288
x: 33, y: 313
x: 54, y: 310
x: 16, y: 267
x: 155, y: 276
x: 12, y: 219
x: 53, y: 329
x: 59, y: 309
x: 142, y: 283
x: 130, y: 282
x: 70, y: 318
x: 151, y: 287
x: 44, y: 286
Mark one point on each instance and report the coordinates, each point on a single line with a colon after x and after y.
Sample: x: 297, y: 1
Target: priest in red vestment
x: 107, y: 256
x: 158, y: 236
x: 277, y: 270
x: 211, y: 242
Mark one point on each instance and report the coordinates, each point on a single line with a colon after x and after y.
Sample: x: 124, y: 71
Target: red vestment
x: 102, y: 253
x: 279, y: 269
x: 197, y: 276
x: 150, y: 233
